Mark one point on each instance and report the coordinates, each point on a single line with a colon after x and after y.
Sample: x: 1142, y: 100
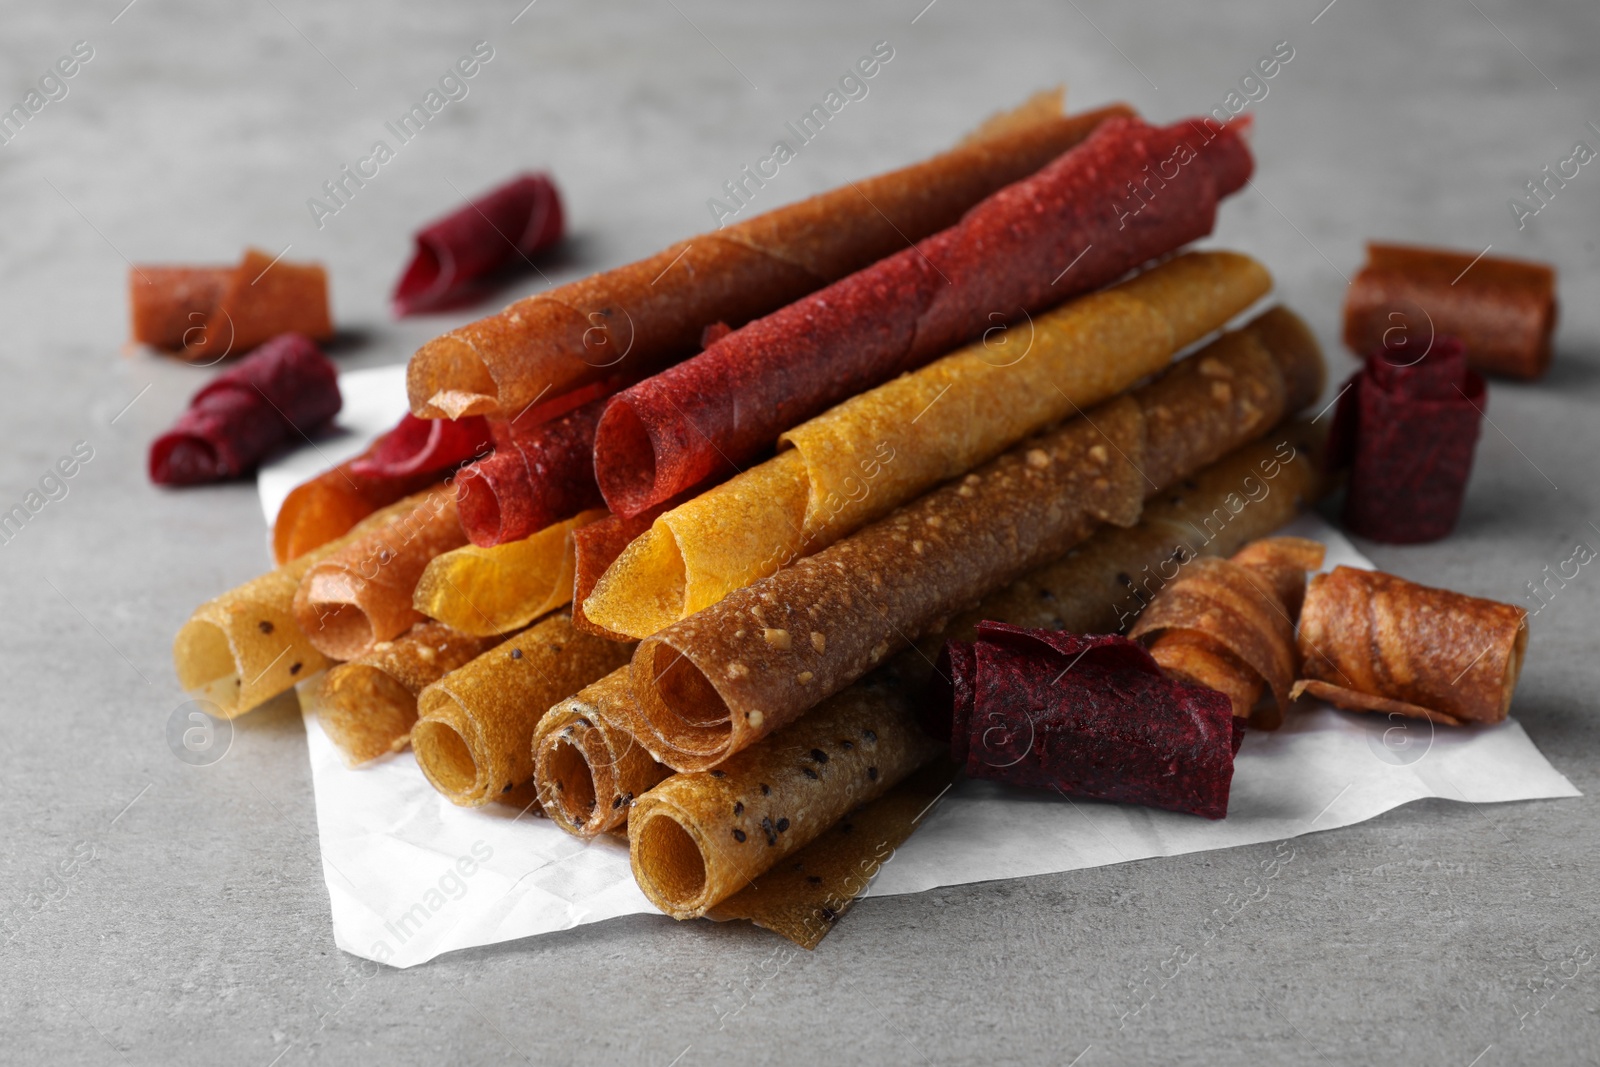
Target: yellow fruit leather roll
x: 716, y: 682
x: 243, y: 648
x: 368, y: 706
x: 589, y: 768
x: 474, y: 733
x: 865, y: 457
x: 352, y: 598
x: 698, y: 838
x: 487, y: 591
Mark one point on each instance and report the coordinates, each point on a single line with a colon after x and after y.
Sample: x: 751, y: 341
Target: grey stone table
x: 193, y: 926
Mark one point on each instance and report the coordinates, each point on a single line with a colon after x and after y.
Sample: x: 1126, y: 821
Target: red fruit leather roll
x: 537, y: 476
x: 286, y: 389
x: 1503, y: 310
x: 1128, y: 193
x: 405, y: 460
x: 1407, y: 433
x: 500, y: 229
x: 1088, y: 715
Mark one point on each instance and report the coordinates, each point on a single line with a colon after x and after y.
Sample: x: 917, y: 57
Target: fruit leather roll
x: 588, y: 765
x: 649, y: 314
x: 698, y: 838
x: 538, y: 475
x: 1373, y: 642
x: 729, y: 675
x: 1060, y: 232
x: 1087, y: 715
x: 244, y: 647
x: 474, y: 734
x: 368, y: 706
x: 406, y: 460
x: 872, y: 453
x: 207, y: 313
x: 486, y: 591
x: 351, y: 599
x: 1503, y: 310
x: 1228, y: 624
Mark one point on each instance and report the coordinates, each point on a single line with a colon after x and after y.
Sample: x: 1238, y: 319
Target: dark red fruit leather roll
x: 1407, y: 432
x: 1090, y: 715
x: 416, y: 446
x: 499, y: 229
x: 1127, y: 194
x: 284, y: 389
x: 537, y: 476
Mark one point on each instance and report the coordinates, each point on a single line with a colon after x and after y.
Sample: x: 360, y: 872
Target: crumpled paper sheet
x: 411, y: 875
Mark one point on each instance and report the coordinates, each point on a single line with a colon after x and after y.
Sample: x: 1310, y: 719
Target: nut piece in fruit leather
x: 646, y: 315
x: 244, y: 647
x: 723, y: 678
x: 272, y: 397
x: 502, y: 228
x: 1407, y: 426
x: 587, y: 767
x: 698, y: 838
x: 474, y: 734
x: 1229, y: 624
x: 486, y: 591
x: 368, y: 706
x: 351, y: 599
x: 1005, y: 257
x: 1373, y: 642
x: 1088, y: 716
x: 868, y: 455
x: 1503, y: 310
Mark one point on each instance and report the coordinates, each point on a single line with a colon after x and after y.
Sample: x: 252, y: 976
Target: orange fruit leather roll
x: 698, y: 838
x: 651, y: 313
x: 206, y: 313
x: 246, y: 646
x: 718, y: 681
x: 351, y: 599
x: 1228, y: 624
x: 475, y: 726
x: 320, y: 509
x: 1502, y: 310
x: 166, y: 303
x: 1371, y: 641
x: 368, y: 706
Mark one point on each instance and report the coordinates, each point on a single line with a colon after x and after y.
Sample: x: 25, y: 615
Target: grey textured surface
x: 195, y: 929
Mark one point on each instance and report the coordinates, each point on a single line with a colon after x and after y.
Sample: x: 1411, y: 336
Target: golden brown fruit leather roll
x: 720, y: 680
x: 243, y: 648
x: 1374, y: 642
x: 351, y: 599
x: 698, y: 838
x: 588, y: 767
x: 643, y: 316
x: 474, y: 734
x: 1228, y: 624
x: 368, y: 706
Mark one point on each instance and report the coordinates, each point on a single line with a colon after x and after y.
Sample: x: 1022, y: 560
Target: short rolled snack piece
x: 474, y: 733
x: 243, y: 648
x: 720, y: 680
x: 1503, y: 310
x: 351, y: 599
x: 368, y: 706
x: 1229, y: 624
x: 870, y: 454
x: 486, y: 591
x: 698, y: 838
x: 588, y: 768
x: 207, y: 313
x: 1371, y: 641
x: 648, y: 314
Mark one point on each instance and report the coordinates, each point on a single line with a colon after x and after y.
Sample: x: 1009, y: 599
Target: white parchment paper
x: 410, y: 875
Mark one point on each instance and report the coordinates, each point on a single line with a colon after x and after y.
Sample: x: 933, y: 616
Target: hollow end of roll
x: 567, y: 786
x: 1519, y: 649
x: 669, y: 864
x: 628, y: 482
x: 455, y: 360
x: 684, y: 707
x: 343, y: 630
x: 206, y: 665
x: 478, y: 504
x: 446, y: 759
